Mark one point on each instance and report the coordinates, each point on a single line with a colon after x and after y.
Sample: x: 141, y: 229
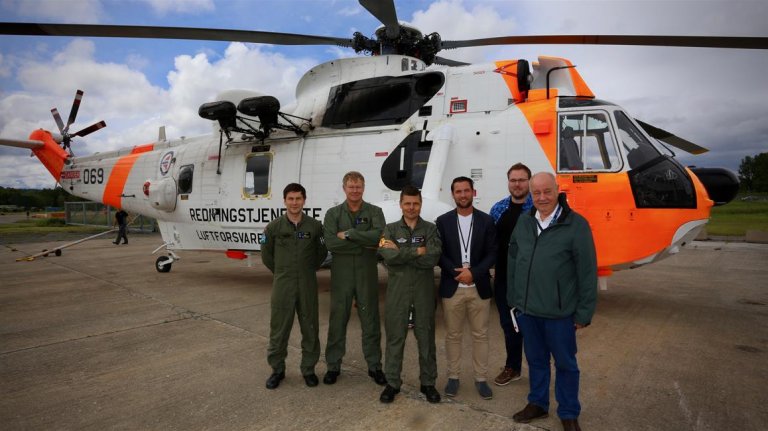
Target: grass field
x: 739, y: 216
x: 31, y: 230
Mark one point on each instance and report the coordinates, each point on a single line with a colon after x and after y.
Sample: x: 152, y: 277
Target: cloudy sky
x: 716, y: 98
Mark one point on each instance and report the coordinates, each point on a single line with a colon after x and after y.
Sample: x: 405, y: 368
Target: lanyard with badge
x: 465, y: 244
x: 551, y: 221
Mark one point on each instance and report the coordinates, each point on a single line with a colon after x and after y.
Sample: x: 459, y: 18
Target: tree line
x: 36, y: 198
x: 753, y: 173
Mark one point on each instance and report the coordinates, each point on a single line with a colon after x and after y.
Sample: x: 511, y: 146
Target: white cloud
x: 5, y: 67
x: 197, y: 80
x: 350, y: 11
x: 163, y: 7
x: 456, y: 21
x: 136, y: 61
x: 123, y: 97
x: 71, y: 11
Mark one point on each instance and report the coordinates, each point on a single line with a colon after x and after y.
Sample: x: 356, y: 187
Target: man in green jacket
x: 352, y: 232
x: 293, y: 248
x: 411, y: 248
x: 552, y: 276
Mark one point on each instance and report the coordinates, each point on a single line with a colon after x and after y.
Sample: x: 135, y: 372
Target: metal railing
x: 96, y: 214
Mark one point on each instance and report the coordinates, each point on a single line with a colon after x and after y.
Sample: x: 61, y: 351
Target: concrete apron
x: 98, y: 339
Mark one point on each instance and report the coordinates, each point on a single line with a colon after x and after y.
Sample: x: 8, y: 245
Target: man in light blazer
x: 469, y: 252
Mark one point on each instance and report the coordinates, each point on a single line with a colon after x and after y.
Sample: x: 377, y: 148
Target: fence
x: 96, y: 214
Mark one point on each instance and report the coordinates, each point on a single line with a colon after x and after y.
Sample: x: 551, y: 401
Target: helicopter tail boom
x: 50, y: 154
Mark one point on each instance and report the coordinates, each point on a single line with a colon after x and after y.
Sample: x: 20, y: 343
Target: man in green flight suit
x: 411, y: 247
x: 293, y: 248
x: 352, y: 231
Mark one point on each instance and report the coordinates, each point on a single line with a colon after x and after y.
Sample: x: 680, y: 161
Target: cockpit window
x: 586, y: 143
x: 639, y: 149
x: 257, y: 169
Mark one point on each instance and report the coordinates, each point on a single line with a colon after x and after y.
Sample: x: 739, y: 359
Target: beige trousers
x: 464, y: 305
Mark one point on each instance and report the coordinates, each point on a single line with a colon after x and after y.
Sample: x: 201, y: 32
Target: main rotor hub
x: 410, y: 41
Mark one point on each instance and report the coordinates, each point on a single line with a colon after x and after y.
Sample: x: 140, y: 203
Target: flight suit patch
x: 417, y: 239
x: 303, y: 235
x: 361, y: 220
x: 401, y: 240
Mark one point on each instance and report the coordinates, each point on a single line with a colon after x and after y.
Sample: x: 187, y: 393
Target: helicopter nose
x: 722, y: 185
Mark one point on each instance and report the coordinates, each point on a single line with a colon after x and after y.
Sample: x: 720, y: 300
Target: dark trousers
x: 121, y: 233
x: 512, y: 340
x: 556, y: 338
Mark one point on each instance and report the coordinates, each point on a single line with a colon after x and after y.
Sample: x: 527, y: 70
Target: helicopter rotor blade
x: 73, y: 111
x: 149, y: 32
x: 22, y: 143
x: 384, y: 11
x: 90, y: 129
x: 57, y: 118
x: 639, y: 40
x: 671, y: 139
x: 448, y: 62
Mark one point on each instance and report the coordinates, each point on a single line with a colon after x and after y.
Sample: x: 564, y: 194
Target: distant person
x: 505, y: 213
x: 121, y: 221
x: 352, y: 232
x: 469, y: 252
x: 552, y: 276
x: 293, y: 249
x: 411, y: 248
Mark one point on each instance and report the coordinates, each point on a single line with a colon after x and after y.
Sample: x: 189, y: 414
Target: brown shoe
x: 529, y: 413
x: 507, y: 375
x: 571, y: 425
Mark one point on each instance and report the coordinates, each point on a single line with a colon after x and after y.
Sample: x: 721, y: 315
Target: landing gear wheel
x: 159, y: 264
x: 57, y: 252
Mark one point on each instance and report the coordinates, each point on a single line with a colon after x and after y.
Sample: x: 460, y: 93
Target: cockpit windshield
x: 639, y: 149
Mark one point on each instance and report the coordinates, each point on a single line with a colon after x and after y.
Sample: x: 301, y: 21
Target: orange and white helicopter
x: 400, y: 116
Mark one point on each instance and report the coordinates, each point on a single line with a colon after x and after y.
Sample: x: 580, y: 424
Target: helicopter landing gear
x: 163, y: 263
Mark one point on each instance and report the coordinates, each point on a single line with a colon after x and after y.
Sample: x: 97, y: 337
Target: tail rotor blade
x: 90, y: 129
x: 57, y: 117
x: 75, y: 108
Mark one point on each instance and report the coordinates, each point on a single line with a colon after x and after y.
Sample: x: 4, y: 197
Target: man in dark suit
x: 469, y: 252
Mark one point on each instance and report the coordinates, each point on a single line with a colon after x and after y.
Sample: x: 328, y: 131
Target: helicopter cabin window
x: 257, y: 173
x: 380, y: 101
x: 586, y: 143
x: 639, y: 149
x: 185, y: 179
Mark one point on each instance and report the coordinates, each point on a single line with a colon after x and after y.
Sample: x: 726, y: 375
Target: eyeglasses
x: 521, y: 180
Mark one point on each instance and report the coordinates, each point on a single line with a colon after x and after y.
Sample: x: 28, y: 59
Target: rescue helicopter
x: 400, y: 115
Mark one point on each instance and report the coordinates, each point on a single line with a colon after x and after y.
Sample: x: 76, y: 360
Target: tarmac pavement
x: 97, y: 339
